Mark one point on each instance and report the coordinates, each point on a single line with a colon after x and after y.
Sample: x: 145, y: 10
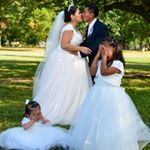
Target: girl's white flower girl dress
x: 39, y: 137
x: 108, y: 119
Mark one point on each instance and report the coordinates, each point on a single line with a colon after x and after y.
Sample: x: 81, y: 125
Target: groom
x: 95, y: 32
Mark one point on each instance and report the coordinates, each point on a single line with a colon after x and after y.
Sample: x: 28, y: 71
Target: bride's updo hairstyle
x: 68, y: 12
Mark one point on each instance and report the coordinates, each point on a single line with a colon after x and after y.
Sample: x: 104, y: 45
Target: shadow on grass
x: 138, y: 66
x: 134, y: 70
x: 16, y: 81
x: 22, y: 69
x: 21, y: 49
x: 22, y: 56
x: 15, y: 50
x: 12, y: 105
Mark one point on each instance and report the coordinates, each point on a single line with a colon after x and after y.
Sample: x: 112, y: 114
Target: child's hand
x: 33, y: 117
x: 98, y: 55
x: 103, y: 51
x: 40, y: 116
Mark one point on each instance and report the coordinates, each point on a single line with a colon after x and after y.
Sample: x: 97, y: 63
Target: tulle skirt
x: 63, y: 85
x: 37, y: 138
x: 108, y: 120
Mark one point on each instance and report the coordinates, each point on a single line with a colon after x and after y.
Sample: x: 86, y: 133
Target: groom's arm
x: 95, y: 45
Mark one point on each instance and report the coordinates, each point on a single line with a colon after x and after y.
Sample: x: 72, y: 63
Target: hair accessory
x: 72, y: 4
x: 27, y: 101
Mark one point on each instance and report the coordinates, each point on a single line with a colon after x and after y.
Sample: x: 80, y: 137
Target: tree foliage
x: 29, y: 21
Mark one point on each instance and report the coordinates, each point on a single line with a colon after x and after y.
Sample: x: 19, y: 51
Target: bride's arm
x: 66, y: 43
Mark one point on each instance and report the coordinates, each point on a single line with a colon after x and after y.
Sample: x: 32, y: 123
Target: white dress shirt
x: 90, y: 28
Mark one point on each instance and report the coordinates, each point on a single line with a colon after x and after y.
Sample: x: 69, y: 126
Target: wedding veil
x: 51, y: 44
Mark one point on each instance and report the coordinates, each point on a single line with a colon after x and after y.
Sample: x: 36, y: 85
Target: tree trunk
x: 142, y: 43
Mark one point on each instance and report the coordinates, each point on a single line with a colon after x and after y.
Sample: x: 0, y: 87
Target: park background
x: 24, y: 26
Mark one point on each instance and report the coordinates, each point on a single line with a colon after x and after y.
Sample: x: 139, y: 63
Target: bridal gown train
x: 64, y: 82
x: 108, y: 119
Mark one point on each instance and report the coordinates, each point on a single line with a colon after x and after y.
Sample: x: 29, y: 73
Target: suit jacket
x: 100, y: 31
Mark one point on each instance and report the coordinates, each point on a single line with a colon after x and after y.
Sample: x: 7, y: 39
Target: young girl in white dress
x: 35, y: 133
x: 108, y: 119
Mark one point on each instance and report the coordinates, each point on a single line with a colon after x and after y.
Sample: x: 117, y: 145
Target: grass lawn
x: 17, y: 68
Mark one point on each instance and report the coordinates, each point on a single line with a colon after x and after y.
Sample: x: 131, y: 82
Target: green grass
x: 17, y: 68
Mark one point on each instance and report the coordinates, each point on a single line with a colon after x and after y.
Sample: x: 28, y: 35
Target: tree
x: 129, y: 27
x: 140, y: 7
x: 21, y: 21
x: 28, y: 21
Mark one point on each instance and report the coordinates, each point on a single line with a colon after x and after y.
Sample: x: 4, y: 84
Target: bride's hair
x: 68, y: 12
x: 118, y: 55
x: 30, y: 106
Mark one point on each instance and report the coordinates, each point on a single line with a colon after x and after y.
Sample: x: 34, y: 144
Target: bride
x: 63, y: 79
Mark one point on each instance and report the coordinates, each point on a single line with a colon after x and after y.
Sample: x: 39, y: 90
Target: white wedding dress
x: 64, y: 82
x: 108, y: 119
x: 39, y: 137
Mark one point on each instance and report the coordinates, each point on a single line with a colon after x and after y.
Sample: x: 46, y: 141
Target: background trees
x: 28, y: 21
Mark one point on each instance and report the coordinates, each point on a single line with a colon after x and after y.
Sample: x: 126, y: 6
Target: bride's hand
x: 85, y: 50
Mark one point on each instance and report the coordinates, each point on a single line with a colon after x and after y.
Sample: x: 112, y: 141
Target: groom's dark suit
x: 92, y: 41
